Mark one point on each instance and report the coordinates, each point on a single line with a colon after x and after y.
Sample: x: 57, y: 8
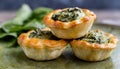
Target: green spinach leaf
x: 25, y: 20
x: 23, y: 14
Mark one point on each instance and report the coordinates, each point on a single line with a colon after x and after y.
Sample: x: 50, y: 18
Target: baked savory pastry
x: 94, y: 46
x: 70, y: 23
x: 41, y: 45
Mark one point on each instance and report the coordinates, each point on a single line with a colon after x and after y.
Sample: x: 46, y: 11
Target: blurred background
x: 107, y: 11
x: 90, y: 4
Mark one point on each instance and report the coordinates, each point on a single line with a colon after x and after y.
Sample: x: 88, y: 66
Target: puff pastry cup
x: 71, y: 29
x: 41, y: 48
x: 94, y: 51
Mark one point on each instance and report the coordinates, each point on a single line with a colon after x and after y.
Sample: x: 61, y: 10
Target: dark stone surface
x: 90, y: 4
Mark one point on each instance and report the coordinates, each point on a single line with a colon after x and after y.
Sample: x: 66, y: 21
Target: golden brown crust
x: 41, y: 49
x: 73, y: 29
x: 24, y: 40
x: 89, y: 15
x: 93, y: 51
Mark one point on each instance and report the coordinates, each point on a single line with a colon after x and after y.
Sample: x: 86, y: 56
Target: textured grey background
x: 91, y: 4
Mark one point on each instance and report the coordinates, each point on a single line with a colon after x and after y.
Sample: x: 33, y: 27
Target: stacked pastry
x: 69, y: 23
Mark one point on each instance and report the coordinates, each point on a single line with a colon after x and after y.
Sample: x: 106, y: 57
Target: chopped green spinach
x: 68, y: 14
x: 96, y: 36
x: 38, y: 33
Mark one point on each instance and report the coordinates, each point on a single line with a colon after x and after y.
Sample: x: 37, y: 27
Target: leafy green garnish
x: 25, y: 20
x: 8, y: 41
x: 33, y: 24
x: 39, y: 13
x: 11, y: 27
x: 23, y: 14
x: 4, y: 34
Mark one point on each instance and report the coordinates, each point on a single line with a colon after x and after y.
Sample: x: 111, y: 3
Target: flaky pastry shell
x: 92, y: 51
x: 72, y: 29
x: 41, y: 49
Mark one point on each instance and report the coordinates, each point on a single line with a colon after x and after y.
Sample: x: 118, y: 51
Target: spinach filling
x: 69, y: 14
x: 38, y: 33
x: 96, y: 36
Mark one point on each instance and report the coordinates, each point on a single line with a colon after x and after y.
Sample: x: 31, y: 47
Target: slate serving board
x: 14, y: 58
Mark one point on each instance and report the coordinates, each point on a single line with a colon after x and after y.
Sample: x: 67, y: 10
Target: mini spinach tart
x: 41, y: 44
x: 96, y: 45
x: 70, y: 23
